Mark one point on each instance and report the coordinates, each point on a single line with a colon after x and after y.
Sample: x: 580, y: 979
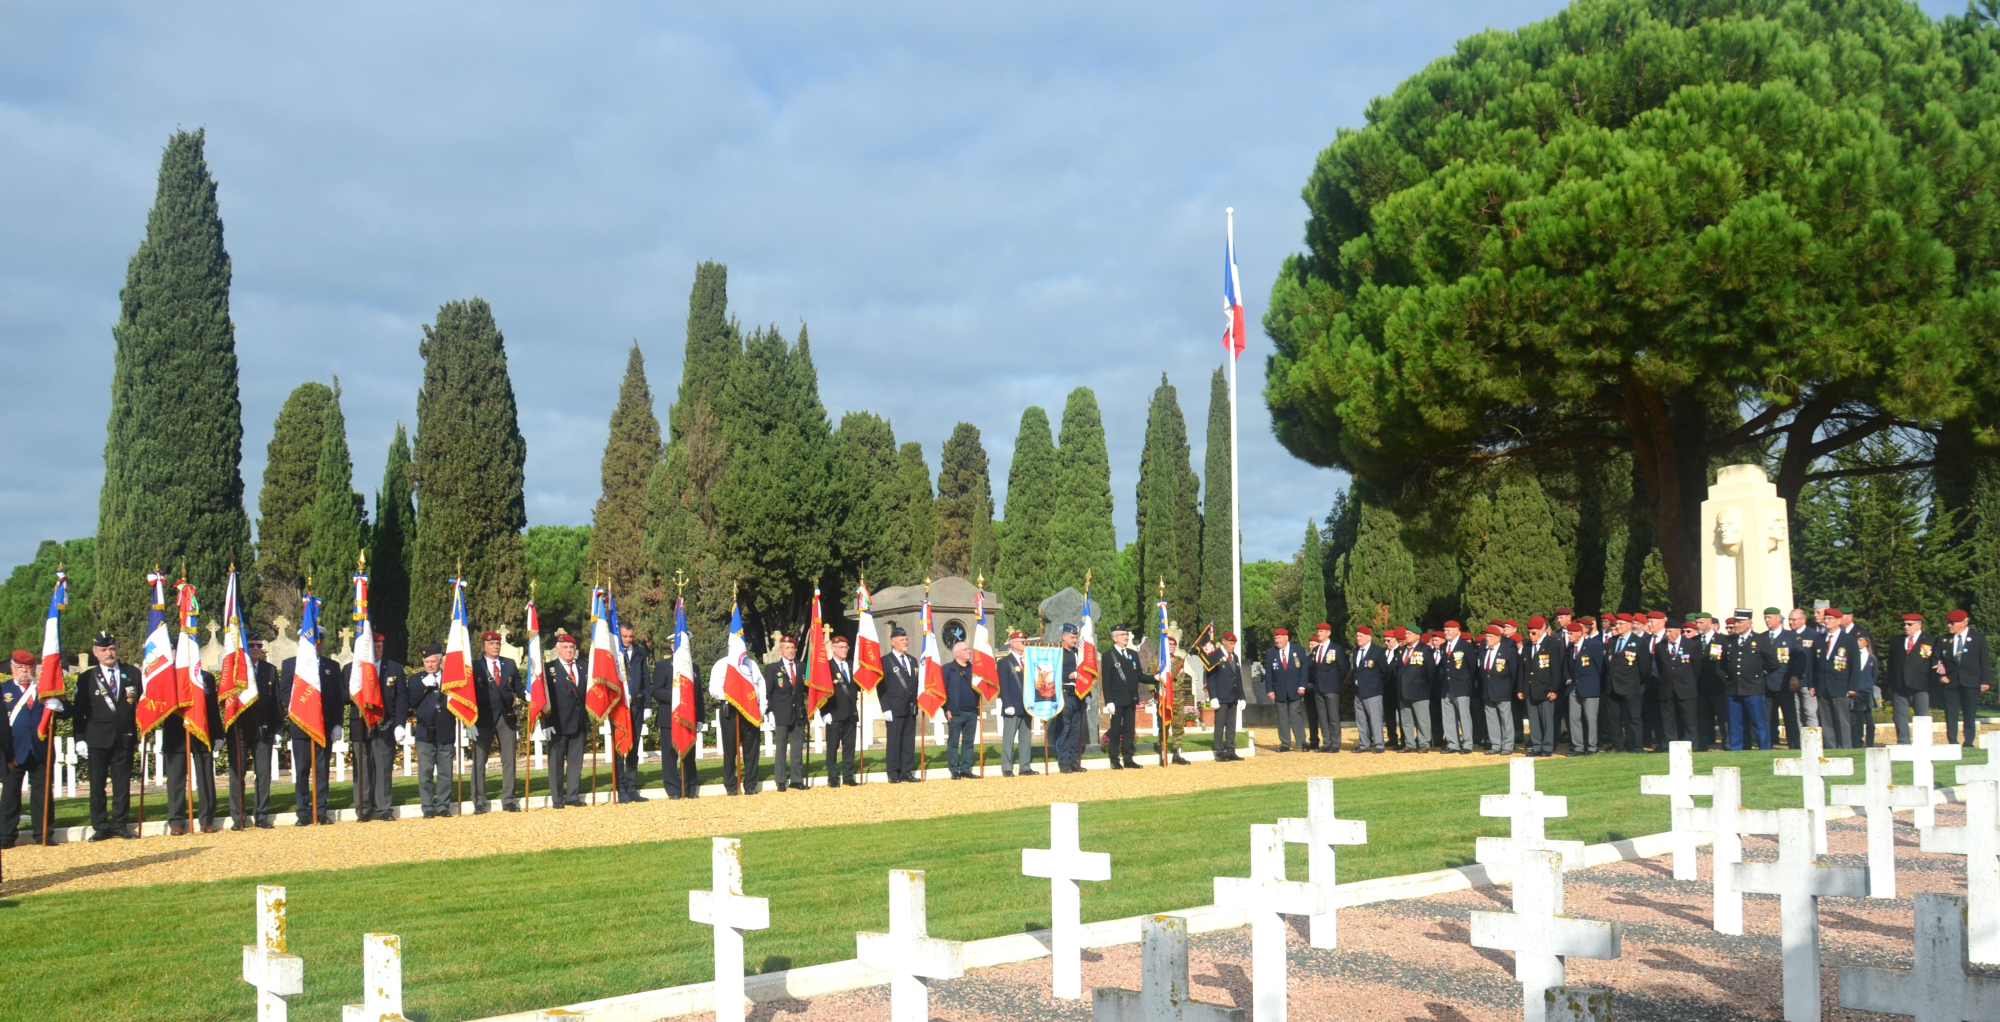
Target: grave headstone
x: 1941, y: 988
x: 1539, y: 934
x: 1063, y: 863
x: 1680, y: 785
x: 382, y: 980
x: 1268, y: 897
x: 1526, y: 809
x: 1800, y: 880
x: 908, y: 953
x: 1321, y: 833
x: 266, y: 965
x: 726, y: 909
x: 1979, y: 842
x: 1578, y: 1004
x: 1812, y: 768
x: 1879, y: 800
x: 1923, y: 754
x: 1163, y: 994
x: 1726, y: 818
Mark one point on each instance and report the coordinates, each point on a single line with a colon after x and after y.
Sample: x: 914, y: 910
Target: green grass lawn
x: 519, y: 931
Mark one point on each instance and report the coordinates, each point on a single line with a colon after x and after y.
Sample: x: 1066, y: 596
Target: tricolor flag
x: 235, y: 679
x: 49, y: 684
x: 188, y: 676
x: 1166, y: 697
x: 1232, y: 295
x: 819, y: 673
x: 456, y: 672
x: 741, y: 682
x: 159, y: 695
x: 931, y: 696
x: 538, y: 688
x: 985, y: 672
x: 605, y: 697
x: 686, y: 720
x: 305, y: 710
x: 867, y: 644
x: 1086, y: 656
x: 364, y: 675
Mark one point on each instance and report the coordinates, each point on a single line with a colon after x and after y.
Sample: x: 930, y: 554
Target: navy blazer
x: 1498, y: 684
x: 1285, y: 672
x: 1586, y: 668
x: 564, y: 714
x: 430, y: 709
x: 23, y: 747
x: 496, y: 697
x: 1327, y: 667
x: 1371, y: 671
x: 1225, y: 683
x: 959, y: 695
x: 897, y: 691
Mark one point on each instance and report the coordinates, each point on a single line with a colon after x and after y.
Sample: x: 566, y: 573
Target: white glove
x: 1008, y: 710
x: 886, y: 715
x: 336, y: 733
x: 430, y: 681
x: 402, y: 734
x: 701, y: 727
x: 825, y: 719
x: 53, y: 704
x: 544, y: 734
x: 647, y: 715
x: 1110, y: 707
x: 472, y: 733
x: 1215, y: 704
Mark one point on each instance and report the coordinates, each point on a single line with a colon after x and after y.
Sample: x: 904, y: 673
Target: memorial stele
x: 1747, y: 545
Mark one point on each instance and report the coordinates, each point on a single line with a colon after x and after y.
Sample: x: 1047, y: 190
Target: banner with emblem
x: 1042, y: 693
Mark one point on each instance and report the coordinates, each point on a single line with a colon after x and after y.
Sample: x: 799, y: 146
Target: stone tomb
x: 381, y: 980
x: 1979, y: 842
x: 1941, y: 988
x: 1163, y: 994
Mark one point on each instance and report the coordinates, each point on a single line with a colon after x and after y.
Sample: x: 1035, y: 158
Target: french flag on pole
x: 1232, y: 293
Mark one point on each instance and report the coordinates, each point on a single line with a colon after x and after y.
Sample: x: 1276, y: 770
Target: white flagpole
x: 1235, y: 496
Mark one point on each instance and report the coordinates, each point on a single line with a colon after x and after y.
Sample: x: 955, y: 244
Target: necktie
x: 1489, y: 659
x: 1909, y: 643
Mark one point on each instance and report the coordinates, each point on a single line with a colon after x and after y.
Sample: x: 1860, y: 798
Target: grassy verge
x: 519, y: 931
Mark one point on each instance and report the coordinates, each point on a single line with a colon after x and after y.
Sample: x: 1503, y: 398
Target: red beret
x: 1560, y: 611
x: 562, y: 636
x: 1492, y: 629
x: 1538, y: 621
x: 1451, y: 624
x: 1956, y: 616
x: 489, y: 637
x: 1016, y: 634
x: 1364, y: 630
x: 1324, y: 625
x: 1281, y: 630
x: 1658, y: 615
x: 1576, y: 626
x: 1229, y: 636
x: 1913, y: 617
x: 22, y: 656
x: 836, y: 638
x: 1510, y: 623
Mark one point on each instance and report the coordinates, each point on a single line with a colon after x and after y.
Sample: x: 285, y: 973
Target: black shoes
x: 1177, y: 760
x: 796, y: 786
x: 1133, y: 765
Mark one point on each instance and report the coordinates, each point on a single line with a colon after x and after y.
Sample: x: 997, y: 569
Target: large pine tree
x: 964, y: 505
x: 284, y: 505
x: 1083, y: 535
x: 630, y: 453
x: 468, y: 471
x: 390, y: 545
x: 1168, y: 511
x: 913, y: 521
x: 1217, y: 565
x: 1517, y: 570
x: 336, y: 523
x: 1312, y: 584
x: 173, y: 448
x: 1021, y: 576
x: 1379, y: 576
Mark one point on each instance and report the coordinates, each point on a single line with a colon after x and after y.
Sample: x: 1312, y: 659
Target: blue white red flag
x: 538, y: 689
x: 188, y: 675
x: 159, y: 695
x: 305, y: 709
x: 1232, y: 296
x: 686, y: 720
x: 49, y: 684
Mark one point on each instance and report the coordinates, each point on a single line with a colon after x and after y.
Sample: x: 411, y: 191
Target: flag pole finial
x: 360, y: 561
x: 927, y: 587
x: 680, y: 583
x: 980, y: 582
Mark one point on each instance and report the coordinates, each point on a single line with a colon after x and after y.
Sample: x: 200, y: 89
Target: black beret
x: 433, y: 649
x: 103, y: 639
x: 896, y: 630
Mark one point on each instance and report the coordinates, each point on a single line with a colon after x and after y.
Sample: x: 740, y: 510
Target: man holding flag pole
x: 190, y: 768
x: 242, y: 682
x: 315, y: 699
x: 32, y: 702
x: 674, y: 688
x: 735, y: 682
x: 931, y: 693
x: 819, y: 680
x: 867, y: 668
x: 376, y: 704
x: 985, y: 670
x: 538, y: 698
x: 102, y: 717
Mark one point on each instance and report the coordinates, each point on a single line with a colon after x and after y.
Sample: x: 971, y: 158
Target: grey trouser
x: 1901, y: 703
x: 1088, y: 739
x: 1017, y: 742
x: 1368, y: 722
x: 506, y: 741
x: 1225, y: 730
x: 1500, y: 725
x: 375, y: 772
x: 1291, y: 724
x: 1457, y: 722
x: 1329, y: 720
x: 1960, y: 701
x: 565, y: 754
x: 788, y: 754
x: 1541, y: 726
x: 1838, y: 724
x: 1414, y: 717
x: 178, y: 782
x: 435, y: 776
x: 1582, y: 723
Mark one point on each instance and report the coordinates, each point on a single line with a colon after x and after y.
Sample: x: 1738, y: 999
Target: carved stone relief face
x: 1774, y: 529
x: 1729, y: 529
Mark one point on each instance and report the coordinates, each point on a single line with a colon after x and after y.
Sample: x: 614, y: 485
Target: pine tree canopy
x: 1218, y: 598
x: 1022, y: 575
x: 390, y: 545
x: 285, y: 504
x: 173, y: 447
x: 468, y: 474
x: 1168, y: 511
x: 336, y: 524
x: 557, y: 557
x: 964, y: 506
x: 1878, y: 544
x: 1083, y: 538
x: 1668, y: 229
x: 631, y: 452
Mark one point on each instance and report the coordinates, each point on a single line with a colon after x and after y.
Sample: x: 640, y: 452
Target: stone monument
x: 1746, y: 544
x: 952, y: 600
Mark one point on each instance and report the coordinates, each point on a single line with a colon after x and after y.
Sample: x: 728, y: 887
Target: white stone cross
x: 1940, y: 988
x: 908, y: 953
x: 1163, y: 994
x: 1923, y: 755
x: 1321, y: 833
x: 1526, y: 809
x: 381, y: 979
x: 1880, y: 799
x: 1800, y: 880
x: 1813, y: 768
x: 1268, y: 897
x: 1063, y: 863
x: 266, y: 966
x: 1979, y: 842
x: 730, y: 913
x: 1539, y: 934
x: 1680, y: 785
x: 1726, y: 818
x: 1989, y: 770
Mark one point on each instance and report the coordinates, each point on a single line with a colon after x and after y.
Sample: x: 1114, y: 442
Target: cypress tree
x: 1083, y: 535
x: 913, y: 523
x: 964, y: 505
x: 1168, y: 510
x: 1312, y: 582
x: 285, y: 504
x: 468, y: 475
x: 173, y: 448
x: 630, y: 452
x: 1217, y: 583
x: 714, y: 345
x: 557, y: 558
x: 1379, y: 575
x: 336, y: 522
x: 866, y: 454
x: 1341, y: 525
x: 1021, y: 576
x: 1983, y: 546
x: 1518, y: 571
x: 390, y: 544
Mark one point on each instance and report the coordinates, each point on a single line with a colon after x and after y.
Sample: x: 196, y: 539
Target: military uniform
x: 1745, y: 665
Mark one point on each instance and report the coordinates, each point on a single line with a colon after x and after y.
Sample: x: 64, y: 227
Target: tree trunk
x: 1667, y: 431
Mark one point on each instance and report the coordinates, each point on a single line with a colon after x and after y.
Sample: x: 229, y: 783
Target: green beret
x: 1772, y: 610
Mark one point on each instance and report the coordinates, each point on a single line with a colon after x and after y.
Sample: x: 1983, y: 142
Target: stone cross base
x: 1578, y: 1004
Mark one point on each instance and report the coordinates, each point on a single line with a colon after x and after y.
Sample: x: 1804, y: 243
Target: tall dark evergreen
x: 964, y: 506
x: 1083, y: 536
x: 337, y: 523
x: 1312, y: 583
x: 913, y: 520
x: 1168, y: 511
x: 468, y: 473
x: 1342, y: 524
x: 1217, y: 583
x: 1021, y: 575
x: 173, y: 448
x: 1379, y: 576
x: 390, y: 545
x: 1517, y: 569
x: 630, y: 453
x: 285, y: 504
x: 865, y: 448
x: 714, y: 346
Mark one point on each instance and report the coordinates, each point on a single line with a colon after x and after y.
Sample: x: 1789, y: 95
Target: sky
x: 974, y: 208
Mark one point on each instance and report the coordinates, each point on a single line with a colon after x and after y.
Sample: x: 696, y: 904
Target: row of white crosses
x: 278, y: 974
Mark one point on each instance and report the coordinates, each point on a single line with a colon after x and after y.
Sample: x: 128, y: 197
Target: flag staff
x: 1235, y: 347
x: 979, y: 722
x: 312, y: 755
x: 854, y: 668
x: 527, y: 758
x: 1167, y: 682
x: 358, y: 742
x: 736, y: 714
x: 923, y: 726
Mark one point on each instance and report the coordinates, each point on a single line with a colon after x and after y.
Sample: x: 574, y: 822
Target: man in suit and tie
x: 1017, y: 729
x: 1965, y: 671
x: 1224, y: 683
x: 638, y: 661
x: 252, y: 740
x: 1541, y: 685
x: 23, y: 752
x: 107, y: 697
x: 496, y: 685
x: 677, y: 773
x: 1456, y: 664
x: 1627, y: 662
x: 375, y: 747
x: 1121, y: 680
x: 564, y: 724
x: 1066, y: 731
x: 1499, y: 676
x: 840, y: 715
x: 436, y: 734
x: 310, y: 760
x: 785, y: 693
x: 1286, y: 682
x: 189, y: 763
x: 1833, y: 674
x: 1583, y: 685
x: 1745, y: 666
x: 897, y: 694
x: 1328, y: 669
x: 1416, y: 675
x: 1370, y: 670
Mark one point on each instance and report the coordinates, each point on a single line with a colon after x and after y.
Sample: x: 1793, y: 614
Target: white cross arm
x: 1299, y: 830
x: 1747, y: 821
x: 1836, y: 767
x: 1670, y: 784
x: 733, y: 910
x: 1503, y: 805
x: 1824, y: 881
x: 1923, y: 750
x: 274, y: 971
x: 1056, y: 864
x: 1498, y: 851
x: 1287, y: 897
x: 928, y: 957
x: 1899, y: 796
x: 1583, y: 938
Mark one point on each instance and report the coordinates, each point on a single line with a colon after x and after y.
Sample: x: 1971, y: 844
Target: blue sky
x: 975, y: 208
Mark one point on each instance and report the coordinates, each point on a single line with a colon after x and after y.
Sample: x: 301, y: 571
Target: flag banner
x: 605, y: 698
x: 456, y: 672
x: 1210, y: 650
x: 985, y: 670
x: 1232, y: 295
x: 1086, y: 656
x: 1043, y: 667
x: 364, y: 674
x: 742, y: 681
x: 188, y: 676
x: 235, y: 677
x: 1166, y: 697
x: 819, y: 673
x: 538, y: 687
x: 159, y: 696
x: 867, y: 644
x: 305, y: 709
x: 931, y: 696
x: 686, y: 720
x: 49, y: 683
